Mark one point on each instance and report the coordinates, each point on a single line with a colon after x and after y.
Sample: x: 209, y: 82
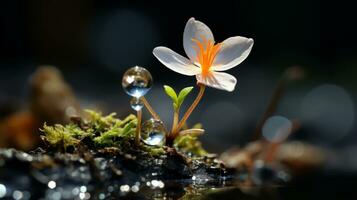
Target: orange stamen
x: 206, y: 52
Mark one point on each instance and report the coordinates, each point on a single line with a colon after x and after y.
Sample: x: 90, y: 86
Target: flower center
x: 206, y: 51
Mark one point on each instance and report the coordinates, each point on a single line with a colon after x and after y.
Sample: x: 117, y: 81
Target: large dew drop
x: 136, y: 104
x: 137, y: 81
x: 153, y: 133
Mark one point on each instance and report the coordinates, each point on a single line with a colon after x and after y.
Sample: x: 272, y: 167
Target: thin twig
x: 150, y: 109
x: 138, y: 127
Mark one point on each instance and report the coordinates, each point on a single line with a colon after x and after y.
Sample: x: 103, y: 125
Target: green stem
x: 175, y: 120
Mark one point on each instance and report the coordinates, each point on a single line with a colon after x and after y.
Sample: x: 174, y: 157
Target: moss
x: 75, y: 131
x: 60, y: 136
x: 190, y: 144
x: 153, y: 151
x: 115, y: 134
x: 108, y: 131
x: 104, y: 131
x: 101, y: 123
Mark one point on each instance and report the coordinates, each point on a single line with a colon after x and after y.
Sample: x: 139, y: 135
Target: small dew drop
x: 137, y: 81
x: 136, y: 104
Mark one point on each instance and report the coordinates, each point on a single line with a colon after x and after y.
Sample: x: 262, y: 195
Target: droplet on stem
x: 136, y: 104
x: 153, y: 133
x: 137, y: 81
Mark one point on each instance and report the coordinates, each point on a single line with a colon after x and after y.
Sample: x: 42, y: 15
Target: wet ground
x: 106, y: 174
x: 110, y: 175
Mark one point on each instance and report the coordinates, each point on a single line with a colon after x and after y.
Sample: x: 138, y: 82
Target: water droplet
x: 136, y: 103
x: 153, y: 133
x: 137, y: 81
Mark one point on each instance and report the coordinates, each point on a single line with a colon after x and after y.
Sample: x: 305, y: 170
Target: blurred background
x: 93, y: 42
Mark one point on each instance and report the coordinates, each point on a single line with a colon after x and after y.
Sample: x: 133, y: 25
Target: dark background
x: 94, y: 42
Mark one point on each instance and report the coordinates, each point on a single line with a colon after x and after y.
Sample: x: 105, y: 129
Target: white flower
x: 206, y: 59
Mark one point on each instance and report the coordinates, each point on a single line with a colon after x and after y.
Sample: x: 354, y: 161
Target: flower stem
x: 138, y: 127
x: 189, y: 110
x: 150, y: 109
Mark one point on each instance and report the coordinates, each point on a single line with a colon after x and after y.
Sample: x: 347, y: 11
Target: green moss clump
x: 60, y: 136
x: 153, y: 150
x: 116, y: 132
x: 108, y: 131
x: 103, y: 131
x: 190, y: 144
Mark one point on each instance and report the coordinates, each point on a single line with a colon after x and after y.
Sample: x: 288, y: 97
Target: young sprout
x: 177, y: 102
x: 206, y: 60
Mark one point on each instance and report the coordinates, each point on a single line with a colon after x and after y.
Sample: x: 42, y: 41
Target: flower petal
x: 195, y: 30
x: 219, y: 80
x: 175, y: 61
x: 233, y: 51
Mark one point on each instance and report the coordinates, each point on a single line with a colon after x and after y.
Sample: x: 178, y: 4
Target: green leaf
x: 171, y: 93
x: 182, y: 95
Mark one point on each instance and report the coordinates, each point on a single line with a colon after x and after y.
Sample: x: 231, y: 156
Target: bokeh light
x: 329, y: 111
x: 277, y: 128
